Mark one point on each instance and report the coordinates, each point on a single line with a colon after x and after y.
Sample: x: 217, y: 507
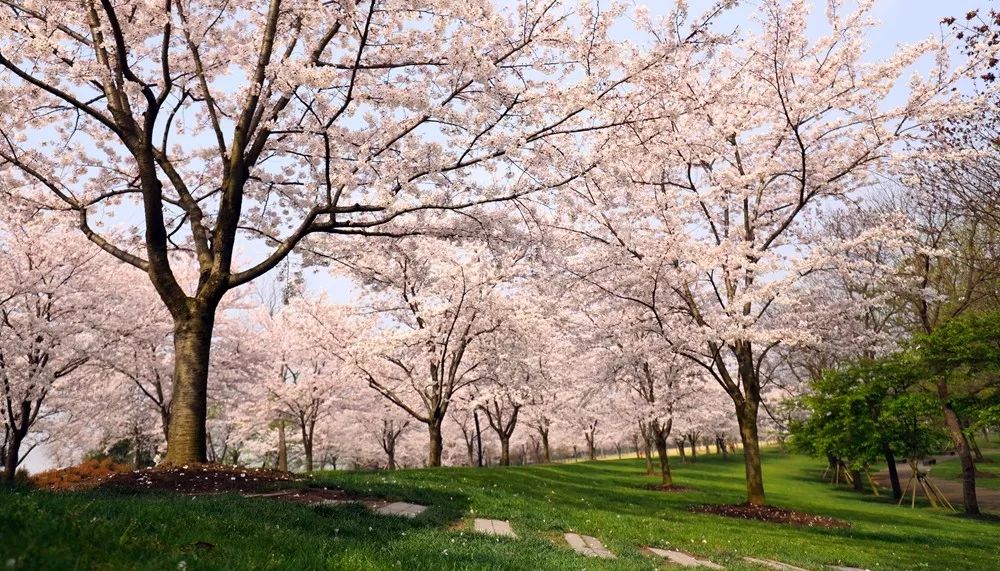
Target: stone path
x: 494, y: 527
x: 839, y: 568
x: 589, y: 546
x: 683, y: 559
x: 776, y: 565
x: 402, y: 509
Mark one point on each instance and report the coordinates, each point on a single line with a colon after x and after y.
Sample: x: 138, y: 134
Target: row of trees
x: 541, y: 217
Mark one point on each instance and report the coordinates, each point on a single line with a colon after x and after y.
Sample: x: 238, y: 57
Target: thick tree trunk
x: 747, y: 420
x: 962, y: 448
x: 189, y: 402
x: 504, y: 451
x: 890, y: 460
x: 856, y: 482
x: 435, y: 443
x: 10, y: 457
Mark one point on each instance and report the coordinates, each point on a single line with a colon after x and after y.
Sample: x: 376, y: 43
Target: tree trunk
x: 856, y: 482
x: 890, y: 460
x: 963, y: 450
x: 680, y: 449
x: 470, y: 448
x: 694, y: 449
x: 282, y: 448
x: 435, y: 443
x: 747, y: 420
x: 11, y: 457
x: 479, y: 440
x: 648, y: 452
x: 307, y: 444
x: 661, y: 450
x: 545, y: 446
x: 504, y: 451
x: 189, y: 401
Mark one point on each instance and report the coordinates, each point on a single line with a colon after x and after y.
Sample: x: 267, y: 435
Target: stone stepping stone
x: 589, y: 546
x: 274, y: 494
x: 776, y: 565
x: 402, y: 509
x: 839, y: 568
x: 494, y: 527
x: 683, y: 559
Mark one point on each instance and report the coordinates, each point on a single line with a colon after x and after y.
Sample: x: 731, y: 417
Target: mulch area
x: 196, y: 479
x: 201, y: 479
x: 770, y: 514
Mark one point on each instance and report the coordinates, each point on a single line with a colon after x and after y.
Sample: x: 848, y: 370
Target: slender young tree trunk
x: 890, y: 460
x: 435, y: 443
x: 962, y: 448
x: 661, y: 449
x: 747, y: 420
x: 471, y: 449
x: 648, y: 453
x: 282, y: 448
x: 307, y: 443
x: 545, y: 446
x: 186, y: 441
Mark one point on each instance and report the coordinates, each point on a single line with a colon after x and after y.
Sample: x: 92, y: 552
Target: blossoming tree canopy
x: 270, y: 122
x: 704, y: 211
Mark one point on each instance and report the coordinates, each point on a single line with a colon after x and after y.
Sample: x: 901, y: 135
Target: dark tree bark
x: 661, y: 432
x: 679, y: 442
x: 282, y: 448
x: 890, y: 461
x: 957, y: 433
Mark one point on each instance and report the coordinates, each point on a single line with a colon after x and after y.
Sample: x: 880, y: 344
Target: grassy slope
x: 606, y: 499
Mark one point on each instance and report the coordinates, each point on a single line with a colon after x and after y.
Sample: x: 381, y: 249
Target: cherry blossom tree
x: 249, y: 123
x: 439, y: 303
x: 53, y: 320
x: 702, y: 215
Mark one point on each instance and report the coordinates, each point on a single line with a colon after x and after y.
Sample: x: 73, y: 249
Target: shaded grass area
x: 987, y: 471
x: 610, y: 500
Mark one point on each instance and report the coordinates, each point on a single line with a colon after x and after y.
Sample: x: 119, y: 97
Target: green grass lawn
x: 608, y: 499
x: 989, y: 470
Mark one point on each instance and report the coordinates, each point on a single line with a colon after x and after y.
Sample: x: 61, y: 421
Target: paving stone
x: 587, y: 545
x: 776, y: 565
x: 839, y: 568
x: 402, y: 509
x: 274, y: 494
x: 683, y: 559
x: 494, y: 527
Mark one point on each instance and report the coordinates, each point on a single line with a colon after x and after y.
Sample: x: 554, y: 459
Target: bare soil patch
x: 770, y: 514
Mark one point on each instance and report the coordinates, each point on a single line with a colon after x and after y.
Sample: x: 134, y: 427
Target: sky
x: 901, y: 22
